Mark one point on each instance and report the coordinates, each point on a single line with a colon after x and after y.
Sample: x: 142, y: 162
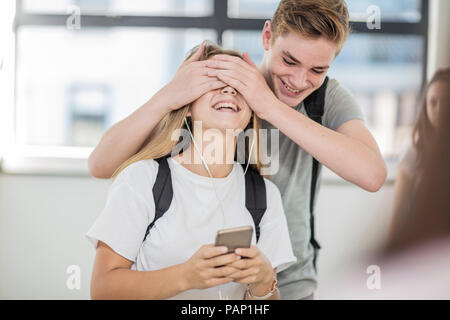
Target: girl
x: 177, y: 259
x: 435, y: 97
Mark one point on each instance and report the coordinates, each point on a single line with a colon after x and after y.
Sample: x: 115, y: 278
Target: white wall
x: 43, y: 220
x: 439, y: 36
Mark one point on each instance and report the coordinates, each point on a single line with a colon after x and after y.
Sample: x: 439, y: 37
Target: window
x: 74, y: 83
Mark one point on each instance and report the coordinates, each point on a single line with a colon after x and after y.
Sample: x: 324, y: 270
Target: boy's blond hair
x: 313, y: 19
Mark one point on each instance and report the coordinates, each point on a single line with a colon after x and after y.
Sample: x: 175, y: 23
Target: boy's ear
x: 267, y: 35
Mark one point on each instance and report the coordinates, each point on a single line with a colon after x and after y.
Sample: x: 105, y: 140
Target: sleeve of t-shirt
x: 124, y: 220
x: 274, y: 239
x: 340, y: 106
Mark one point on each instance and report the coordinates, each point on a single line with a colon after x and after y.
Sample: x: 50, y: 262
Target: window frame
x: 73, y: 160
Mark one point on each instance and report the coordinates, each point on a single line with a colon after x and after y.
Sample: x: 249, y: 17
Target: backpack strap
x: 314, y: 105
x: 162, y: 191
x: 255, y: 196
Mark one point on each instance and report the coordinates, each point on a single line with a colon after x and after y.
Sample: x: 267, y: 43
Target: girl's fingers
x: 244, y: 264
x: 222, y: 260
x: 225, y: 271
x: 246, y: 280
x: 241, y: 274
x: 209, y: 251
x: 251, y: 252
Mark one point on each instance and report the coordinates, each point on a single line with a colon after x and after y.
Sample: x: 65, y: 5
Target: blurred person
x: 414, y: 263
x: 139, y: 256
x: 300, y: 43
x: 434, y: 98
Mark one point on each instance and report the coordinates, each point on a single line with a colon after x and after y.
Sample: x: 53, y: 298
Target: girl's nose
x: 228, y: 90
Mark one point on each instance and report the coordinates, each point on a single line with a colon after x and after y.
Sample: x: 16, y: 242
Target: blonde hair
x: 162, y: 142
x: 313, y: 19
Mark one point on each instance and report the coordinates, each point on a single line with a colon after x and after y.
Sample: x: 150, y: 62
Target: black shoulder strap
x: 162, y: 191
x: 314, y: 105
x: 255, y: 196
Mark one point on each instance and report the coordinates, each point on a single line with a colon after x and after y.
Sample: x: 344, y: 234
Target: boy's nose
x: 228, y: 90
x: 299, y: 79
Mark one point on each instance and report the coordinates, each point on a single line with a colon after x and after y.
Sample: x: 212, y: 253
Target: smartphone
x: 234, y: 238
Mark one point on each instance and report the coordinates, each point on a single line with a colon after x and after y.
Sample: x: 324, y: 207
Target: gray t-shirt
x: 294, y: 182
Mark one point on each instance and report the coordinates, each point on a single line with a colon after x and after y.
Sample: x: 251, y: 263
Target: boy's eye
x: 317, y: 71
x: 287, y: 62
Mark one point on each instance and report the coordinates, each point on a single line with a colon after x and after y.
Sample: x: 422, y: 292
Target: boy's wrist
x: 167, y: 99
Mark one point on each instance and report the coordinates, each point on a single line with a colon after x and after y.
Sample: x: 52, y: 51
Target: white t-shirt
x: 192, y: 220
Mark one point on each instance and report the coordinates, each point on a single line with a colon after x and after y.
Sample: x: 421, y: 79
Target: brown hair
x: 162, y: 142
x: 423, y: 131
x: 313, y: 19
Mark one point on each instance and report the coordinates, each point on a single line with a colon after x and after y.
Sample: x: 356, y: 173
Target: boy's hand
x: 190, y: 82
x: 244, y: 76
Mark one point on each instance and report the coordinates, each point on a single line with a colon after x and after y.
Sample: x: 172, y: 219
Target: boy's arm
x: 128, y: 136
x: 350, y: 151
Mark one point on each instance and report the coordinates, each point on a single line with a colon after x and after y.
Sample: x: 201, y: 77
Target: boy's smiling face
x: 294, y: 66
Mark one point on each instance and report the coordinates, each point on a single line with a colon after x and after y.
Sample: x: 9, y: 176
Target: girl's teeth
x: 229, y: 106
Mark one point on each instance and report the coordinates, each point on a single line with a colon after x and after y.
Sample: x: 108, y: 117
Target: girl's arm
x: 261, y: 289
x: 113, y: 279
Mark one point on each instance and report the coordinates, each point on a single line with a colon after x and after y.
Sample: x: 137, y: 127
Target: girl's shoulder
x: 140, y: 175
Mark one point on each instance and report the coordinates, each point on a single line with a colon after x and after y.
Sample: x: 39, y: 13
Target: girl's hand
x: 208, y: 267
x: 190, y: 82
x: 256, y: 270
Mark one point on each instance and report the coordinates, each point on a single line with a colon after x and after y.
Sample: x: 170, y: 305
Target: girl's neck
x: 218, y: 152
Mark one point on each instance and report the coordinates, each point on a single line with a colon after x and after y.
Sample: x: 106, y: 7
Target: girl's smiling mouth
x: 226, y: 106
